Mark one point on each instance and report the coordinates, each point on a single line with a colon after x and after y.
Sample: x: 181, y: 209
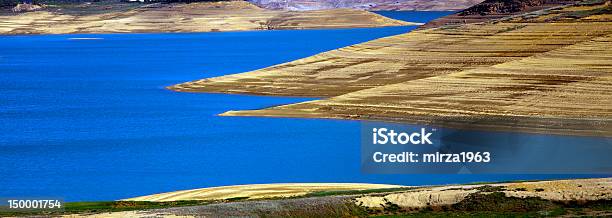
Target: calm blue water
x: 415, y: 16
x: 90, y: 119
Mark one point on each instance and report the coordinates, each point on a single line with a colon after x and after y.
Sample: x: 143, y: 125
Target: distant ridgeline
x: 10, y: 3
x: 301, y: 5
x: 372, y: 5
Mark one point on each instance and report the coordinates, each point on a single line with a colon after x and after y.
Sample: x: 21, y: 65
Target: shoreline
x: 206, y: 32
x: 463, y: 126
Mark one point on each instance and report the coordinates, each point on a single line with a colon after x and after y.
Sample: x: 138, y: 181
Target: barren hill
x: 546, y: 71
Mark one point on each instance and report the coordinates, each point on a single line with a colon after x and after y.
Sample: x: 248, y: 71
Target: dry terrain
x: 592, y: 196
x: 547, y: 71
x: 194, y: 17
x: 559, y: 190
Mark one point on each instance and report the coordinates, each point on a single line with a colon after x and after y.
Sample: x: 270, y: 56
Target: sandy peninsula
x: 259, y: 191
x: 546, y: 71
x: 194, y: 17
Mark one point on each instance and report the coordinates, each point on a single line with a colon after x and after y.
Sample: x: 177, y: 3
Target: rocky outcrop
x: 26, y: 7
x: 417, y: 199
x: 509, y: 6
x: 556, y: 190
x: 495, y: 9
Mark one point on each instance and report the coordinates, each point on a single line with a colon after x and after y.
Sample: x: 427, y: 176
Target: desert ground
x: 193, y: 17
x: 546, y: 71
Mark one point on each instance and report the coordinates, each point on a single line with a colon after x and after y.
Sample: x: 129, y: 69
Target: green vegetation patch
x: 356, y: 192
x: 236, y: 199
x: 586, y: 13
x: 497, y: 204
x: 106, y: 206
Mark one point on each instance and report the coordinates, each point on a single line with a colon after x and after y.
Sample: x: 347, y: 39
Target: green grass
x: 586, y: 13
x: 105, y: 206
x: 115, y: 206
x: 356, y: 192
x: 237, y: 199
x: 496, y: 204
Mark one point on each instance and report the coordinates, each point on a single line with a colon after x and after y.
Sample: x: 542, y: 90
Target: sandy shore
x: 258, y: 191
x: 546, y: 71
x: 194, y: 17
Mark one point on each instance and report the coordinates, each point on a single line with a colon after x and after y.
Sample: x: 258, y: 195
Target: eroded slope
x: 405, y: 57
x: 562, y: 91
x: 547, y: 71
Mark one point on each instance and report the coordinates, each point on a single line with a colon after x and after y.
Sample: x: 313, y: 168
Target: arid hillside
x: 194, y: 17
x: 546, y: 71
x: 372, y: 5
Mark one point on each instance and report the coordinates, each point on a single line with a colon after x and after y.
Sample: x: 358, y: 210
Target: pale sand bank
x: 258, y: 191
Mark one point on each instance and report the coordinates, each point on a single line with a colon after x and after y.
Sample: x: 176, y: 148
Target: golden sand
x: 257, y: 191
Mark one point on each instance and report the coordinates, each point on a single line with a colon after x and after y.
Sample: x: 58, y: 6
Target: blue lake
x: 414, y: 16
x: 90, y: 120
